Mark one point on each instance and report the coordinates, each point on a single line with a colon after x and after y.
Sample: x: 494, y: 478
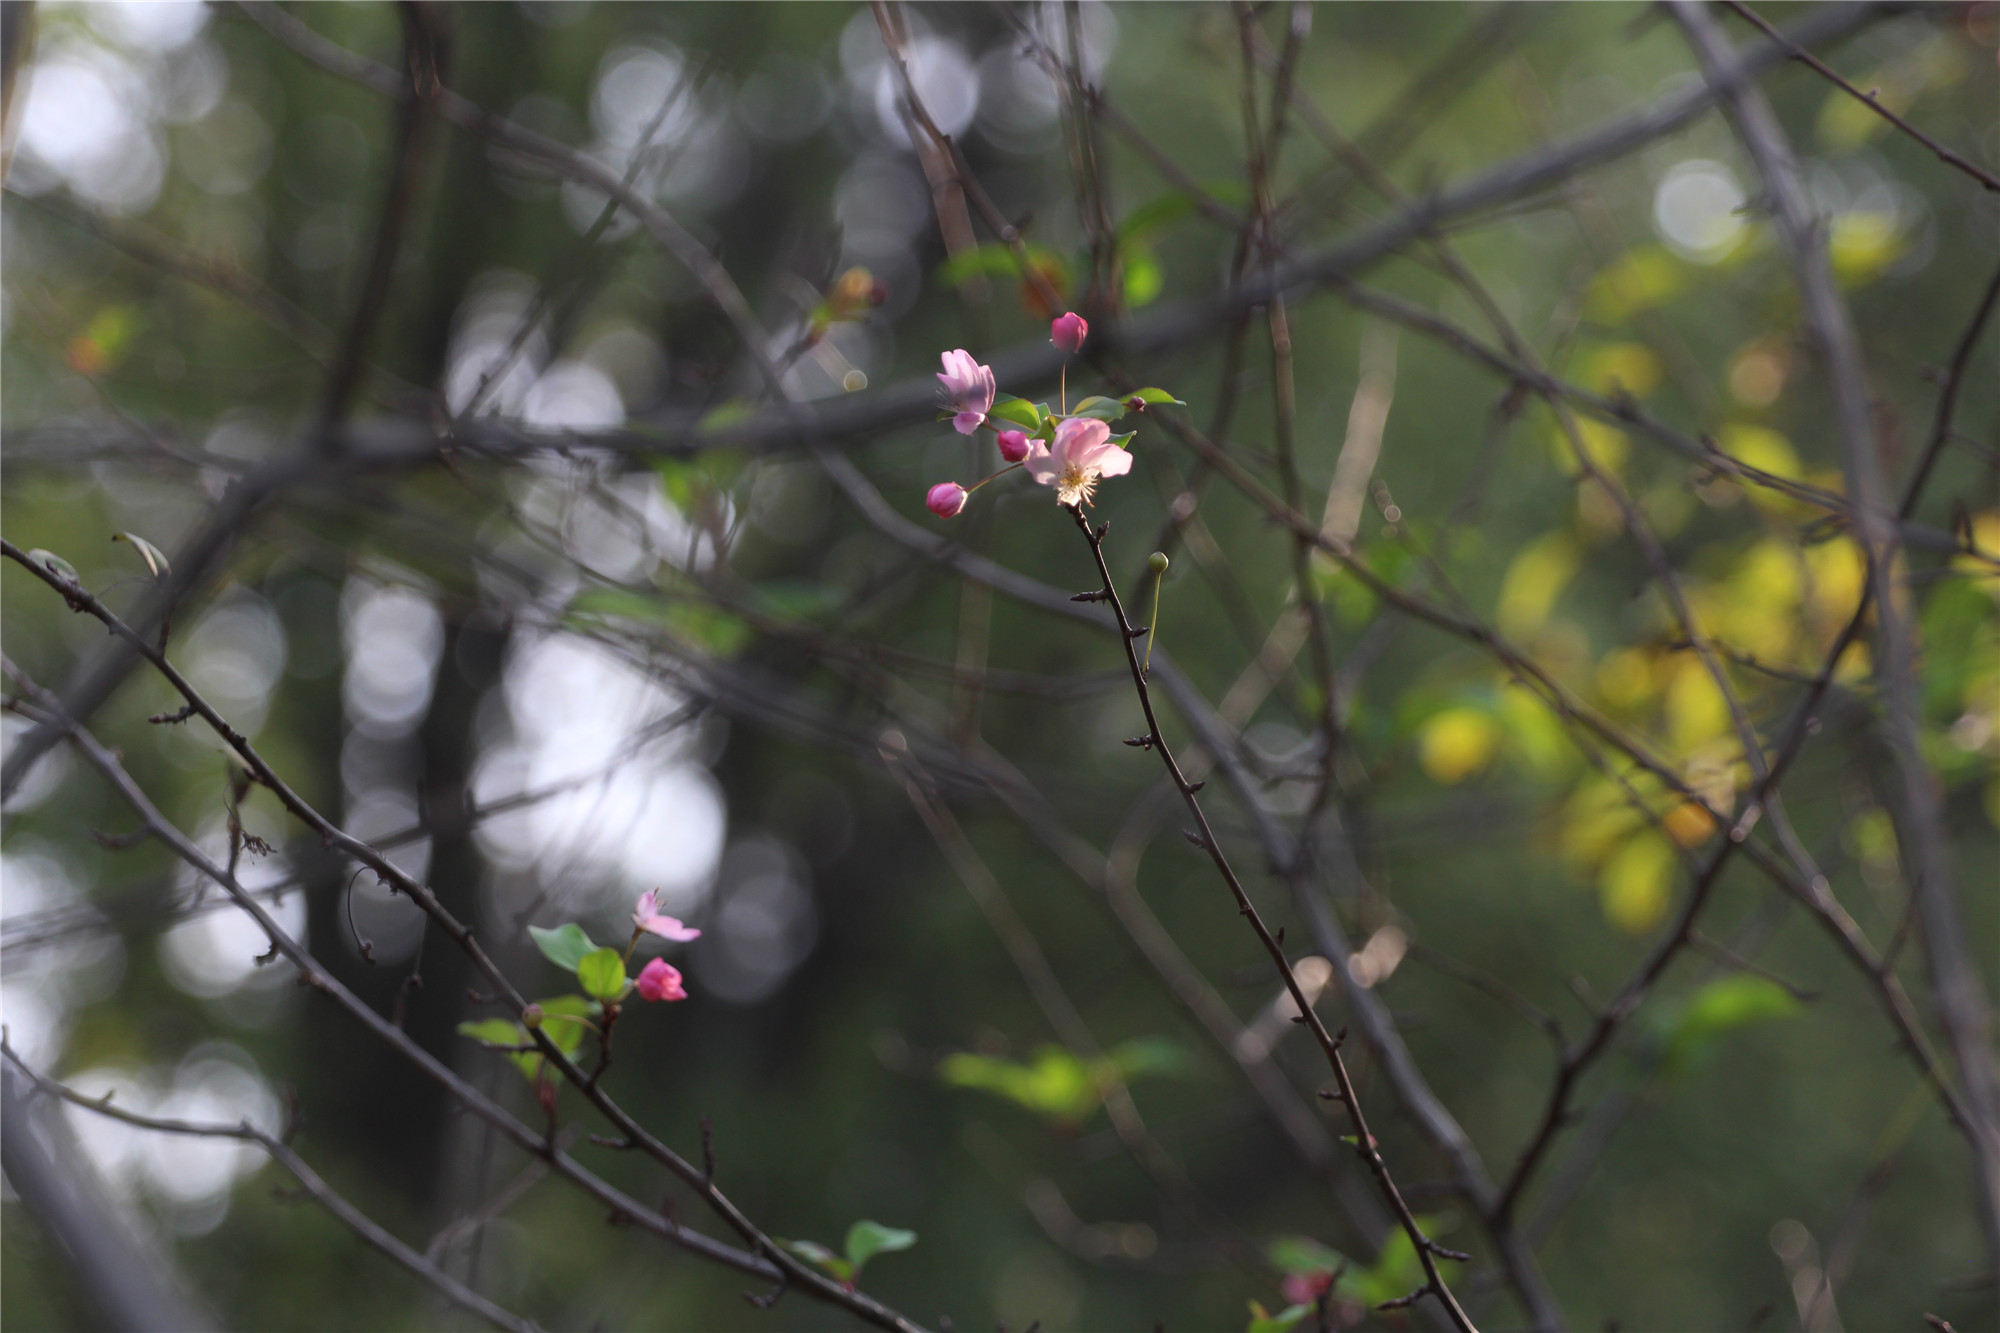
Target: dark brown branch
x: 1868, y: 99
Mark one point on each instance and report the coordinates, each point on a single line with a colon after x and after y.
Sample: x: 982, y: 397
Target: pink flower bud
x: 1014, y: 445
x: 658, y: 980
x: 1068, y: 332
x: 946, y: 499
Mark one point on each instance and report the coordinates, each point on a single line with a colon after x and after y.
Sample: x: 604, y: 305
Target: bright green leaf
x: 867, y: 1239
x: 562, y: 1020
x: 1144, y: 278
x: 1151, y: 395
x: 1018, y: 411
x: 602, y: 973
x: 1103, y: 409
x: 565, y: 946
x: 1719, y: 1008
x: 1057, y: 1084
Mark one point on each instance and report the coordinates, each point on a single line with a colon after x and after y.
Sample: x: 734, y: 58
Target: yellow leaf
x: 1838, y: 571
x: 1695, y: 709
x: 1637, y: 884
x: 1766, y: 450
x: 1637, y: 280
x: 1861, y: 243
x: 1625, y: 678
x: 1534, y: 580
x: 1632, y: 368
x: 1456, y: 743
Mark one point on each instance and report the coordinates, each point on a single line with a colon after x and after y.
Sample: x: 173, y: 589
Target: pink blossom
x: 1068, y: 332
x: 946, y: 499
x: 659, y: 980
x: 646, y: 917
x: 1081, y: 455
x: 1015, y: 445
x: 968, y: 390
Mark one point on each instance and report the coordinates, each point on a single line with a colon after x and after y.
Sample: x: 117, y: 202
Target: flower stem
x: 1153, y: 626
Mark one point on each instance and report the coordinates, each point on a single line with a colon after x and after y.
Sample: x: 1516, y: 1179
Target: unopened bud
x: 1158, y: 562
x: 531, y: 1017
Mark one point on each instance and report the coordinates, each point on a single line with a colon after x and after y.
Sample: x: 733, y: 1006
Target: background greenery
x: 132, y: 394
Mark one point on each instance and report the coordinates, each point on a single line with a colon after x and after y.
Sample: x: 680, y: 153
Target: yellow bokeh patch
x: 1457, y: 743
x: 1534, y: 580
x: 1638, y: 883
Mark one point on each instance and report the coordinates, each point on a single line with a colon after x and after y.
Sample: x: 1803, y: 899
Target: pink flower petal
x: 946, y: 499
x: 669, y: 928
x: 659, y: 980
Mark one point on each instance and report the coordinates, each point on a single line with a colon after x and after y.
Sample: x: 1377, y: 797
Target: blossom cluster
x: 1069, y: 452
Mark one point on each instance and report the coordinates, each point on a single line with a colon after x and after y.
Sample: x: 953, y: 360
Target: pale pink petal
x: 1112, y: 462
x: 968, y: 422
x: 669, y: 928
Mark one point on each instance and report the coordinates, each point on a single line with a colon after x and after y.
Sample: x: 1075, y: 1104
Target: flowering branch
x: 1203, y: 836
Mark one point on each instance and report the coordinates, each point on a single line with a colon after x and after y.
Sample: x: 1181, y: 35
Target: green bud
x: 1159, y: 562
x: 531, y: 1017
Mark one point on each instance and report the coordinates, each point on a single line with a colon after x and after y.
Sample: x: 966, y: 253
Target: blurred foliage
x: 858, y: 1034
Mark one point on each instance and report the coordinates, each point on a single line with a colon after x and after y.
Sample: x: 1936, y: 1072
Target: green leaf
x: 1018, y: 411
x: 1057, y: 1084
x: 1719, y: 1008
x: 565, y: 946
x: 504, y: 1033
x: 1103, y: 409
x: 1123, y: 441
x: 991, y: 260
x: 55, y: 564
x: 1303, y: 1256
x: 495, y: 1031
x: 1144, y: 278
x: 602, y: 973
x: 1147, y: 1055
x: 155, y: 559
x: 562, y: 1020
x: 815, y: 1253
x: 1151, y: 395
x: 1263, y: 1321
x: 867, y: 1239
